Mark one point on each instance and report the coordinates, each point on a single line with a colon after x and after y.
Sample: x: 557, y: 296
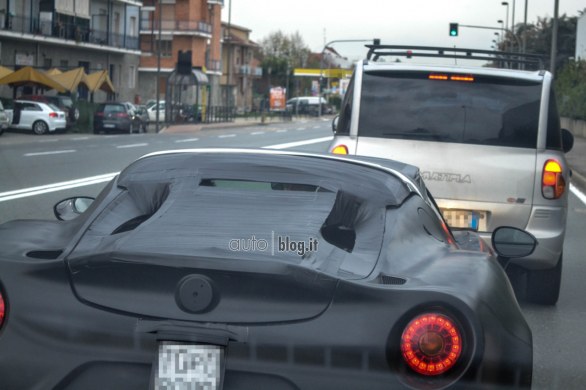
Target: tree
x: 571, y: 90
x: 538, y: 36
x: 282, y: 53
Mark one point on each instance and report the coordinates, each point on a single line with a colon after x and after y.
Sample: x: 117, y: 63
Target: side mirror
x: 511, y: 243
x: 567, y: 140
x: 335, y: 123
x: 71, y: 208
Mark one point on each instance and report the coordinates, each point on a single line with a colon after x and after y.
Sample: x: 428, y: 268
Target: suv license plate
x: 189, y: 366
x: 465, y: 219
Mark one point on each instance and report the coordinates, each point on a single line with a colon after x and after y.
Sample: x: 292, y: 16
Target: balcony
x: 68, y: 32
x: 214, y: 66
x: 176, y: 27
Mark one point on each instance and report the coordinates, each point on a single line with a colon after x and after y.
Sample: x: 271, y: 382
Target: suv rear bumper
x: 548, y: 226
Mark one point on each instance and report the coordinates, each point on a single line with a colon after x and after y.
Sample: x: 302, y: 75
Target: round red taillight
x: 2, y: 309
x: 431, y: 344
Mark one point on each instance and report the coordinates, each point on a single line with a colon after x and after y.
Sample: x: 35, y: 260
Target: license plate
x: 466, y: 219
x: 189, y: 366
x: 108, y: 125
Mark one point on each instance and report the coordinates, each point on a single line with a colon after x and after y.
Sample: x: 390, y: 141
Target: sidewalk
x: 238, y: 122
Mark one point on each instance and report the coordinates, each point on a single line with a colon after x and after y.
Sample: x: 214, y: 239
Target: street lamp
x: 502, y: 26
x: 506, y: 3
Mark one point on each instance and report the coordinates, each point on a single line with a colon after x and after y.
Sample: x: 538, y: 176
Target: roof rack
x: 377, y: 51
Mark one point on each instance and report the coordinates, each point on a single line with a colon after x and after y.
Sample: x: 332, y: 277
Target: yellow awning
x: 100, y: 80
x: 4, y: 71
x: 71, y: 79
x: 53, y: 72
x: 30, y: 76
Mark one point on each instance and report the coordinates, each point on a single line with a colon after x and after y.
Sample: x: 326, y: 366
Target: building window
x: 64, y: 64
x: 47, y: 63
x: 166, y: 47
x: 132, y: 77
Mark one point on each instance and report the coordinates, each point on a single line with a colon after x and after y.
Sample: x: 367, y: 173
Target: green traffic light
x: 453, y: 29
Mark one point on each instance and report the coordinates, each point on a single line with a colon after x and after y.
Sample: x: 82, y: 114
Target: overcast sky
x: 416, y: 22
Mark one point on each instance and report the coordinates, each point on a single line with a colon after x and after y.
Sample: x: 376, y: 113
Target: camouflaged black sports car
x: 243, y: 269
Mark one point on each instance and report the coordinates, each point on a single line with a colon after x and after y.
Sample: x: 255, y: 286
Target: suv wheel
x: 543, y: 286
x: 40, y: 128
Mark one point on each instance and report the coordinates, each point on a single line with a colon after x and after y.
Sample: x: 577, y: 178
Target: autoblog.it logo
x: 277, y: 244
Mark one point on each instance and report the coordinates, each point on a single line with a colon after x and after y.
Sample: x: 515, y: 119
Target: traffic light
x: 453, y: 29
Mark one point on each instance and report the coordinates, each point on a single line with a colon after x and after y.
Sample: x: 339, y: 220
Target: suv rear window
x: 481, y: 110
x: 112, y: 108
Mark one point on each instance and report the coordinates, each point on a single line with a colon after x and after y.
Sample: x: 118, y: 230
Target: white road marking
x: 227, y: 136
x: 48, y: 140
x: 579, y: 194
x: 131, y: 146
x: 257, y: 133
x: 187, y: 140
x: 80, y: 138
x: 64, y: 185
x: 301, y: 129
x: 50, y: 153
x: 282, y: 131
x: 317, y: 127
x: 298, y: 143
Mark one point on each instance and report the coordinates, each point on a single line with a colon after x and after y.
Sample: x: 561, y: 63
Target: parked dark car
x: 258, y: 270
x: 64, y: 103
x: 116, y: 117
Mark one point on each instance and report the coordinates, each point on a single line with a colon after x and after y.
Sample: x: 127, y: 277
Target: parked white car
x: 152, y: 111
x: 39, y: 117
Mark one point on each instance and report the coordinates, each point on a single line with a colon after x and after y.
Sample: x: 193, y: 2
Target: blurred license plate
x: 189, y: 366
x: 465, y: 219
x: 108, y: 125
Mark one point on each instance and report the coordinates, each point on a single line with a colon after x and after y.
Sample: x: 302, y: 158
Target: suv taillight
x: 2, y: 309
x: 340, y: 149
x: 553, y: 184
x: 53, y: 115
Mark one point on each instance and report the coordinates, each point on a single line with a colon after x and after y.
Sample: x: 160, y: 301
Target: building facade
x: 240, y: 68
x: 183, y: 25
x: 581, y: 38
x: 66, y: 34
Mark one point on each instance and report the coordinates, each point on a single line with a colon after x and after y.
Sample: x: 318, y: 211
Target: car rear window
x: 429, y: 106
x: 114, y: 108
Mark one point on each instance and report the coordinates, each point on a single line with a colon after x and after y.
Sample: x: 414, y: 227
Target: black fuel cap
x: 194, y: 293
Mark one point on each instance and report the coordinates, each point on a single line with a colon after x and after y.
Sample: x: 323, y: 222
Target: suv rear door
x: 474, y: 138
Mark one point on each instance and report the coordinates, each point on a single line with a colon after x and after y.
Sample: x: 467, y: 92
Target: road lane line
x: 282, y: 131
x: 257, y: 133
x: 187, y: 140
x: 48, y: 140
x: 301, y: 129
x: 579, y: 194
x: 298, y: 143
x: 131, y: 146
x: 49, y: 153
x: 80, y: 138
x: 64, y: 185
x: 227, y: 136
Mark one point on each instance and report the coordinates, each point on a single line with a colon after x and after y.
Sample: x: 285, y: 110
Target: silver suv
x: 487, y: 140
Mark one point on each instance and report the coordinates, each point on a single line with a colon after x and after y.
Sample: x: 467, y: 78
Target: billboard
x: 277, y: 98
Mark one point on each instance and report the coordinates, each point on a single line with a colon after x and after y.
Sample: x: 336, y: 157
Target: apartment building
x: 241, y: 67
x: 183, y: 25
x: 66, y: 34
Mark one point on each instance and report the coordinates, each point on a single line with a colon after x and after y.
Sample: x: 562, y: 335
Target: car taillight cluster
x: 431, y: 344
x: 53, y: 115
x: 2, y: 309
x: 553, y: 184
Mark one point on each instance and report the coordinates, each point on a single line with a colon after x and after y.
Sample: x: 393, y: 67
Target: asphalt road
x: 36, y: 172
